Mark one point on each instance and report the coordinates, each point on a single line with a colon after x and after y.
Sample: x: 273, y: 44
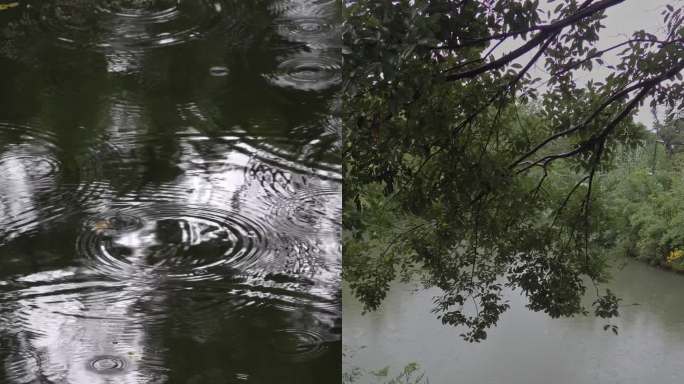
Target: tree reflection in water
x: 170, y: 196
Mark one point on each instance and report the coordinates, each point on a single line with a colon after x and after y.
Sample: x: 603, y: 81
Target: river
x: 529, y: 347
x: 170, y: 191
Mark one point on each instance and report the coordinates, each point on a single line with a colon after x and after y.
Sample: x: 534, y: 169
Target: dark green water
x: 170, y: 192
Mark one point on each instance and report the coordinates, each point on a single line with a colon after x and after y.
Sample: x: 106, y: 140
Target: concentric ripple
x: 316, y: 32
x: 219, y: 71
x: 298, y: 345
x: 29, y: 156
x: 177, y: 241
x: 292, y: 162
x: 130, y: 23
x: 71, y: 326
x: 312, y: 71
x: 38, y: 164
x: 152, y: 10
x: 317, y: 211
x: 107, y: 365
x: 310, y: 8
x: 303, y: 26
x: 39, y: 180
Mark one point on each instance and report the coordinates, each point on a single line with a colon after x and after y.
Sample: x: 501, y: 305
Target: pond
x: 529, y: 347
x: 170, y: 191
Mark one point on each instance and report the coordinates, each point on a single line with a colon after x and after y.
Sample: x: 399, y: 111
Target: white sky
x: 621, y: 21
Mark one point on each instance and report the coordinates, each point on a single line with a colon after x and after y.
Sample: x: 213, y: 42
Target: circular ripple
x: 219, y: 71
x: 303, y: 28
x: 130, y: 23
x: 314, y: 211
x: 298, y: 345
x: 289, y: 152
x: 28, y: 155
x: 179, y: 241
x: 308, y: 72
x: 28, y: 162
x: 305, y: 8
x: 40, y: 181
x: 107, y: 365
x: 152, y: 10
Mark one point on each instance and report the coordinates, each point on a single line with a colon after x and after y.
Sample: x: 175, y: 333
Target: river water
x: 170, y: 191
x: 529, y: 347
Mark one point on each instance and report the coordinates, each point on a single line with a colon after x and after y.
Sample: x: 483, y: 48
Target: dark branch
x: 535, y: 41
x: 646, y: 86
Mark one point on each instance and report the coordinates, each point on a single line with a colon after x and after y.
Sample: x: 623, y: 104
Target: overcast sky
x: 621, y: 21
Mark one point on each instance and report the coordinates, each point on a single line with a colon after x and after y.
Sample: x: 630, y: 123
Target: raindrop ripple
x: 129, y: 24
x: 181, y: 241
x: 308, y: 72
x: 40, y: 181
x: 107, y: 365
x: 298, y: 345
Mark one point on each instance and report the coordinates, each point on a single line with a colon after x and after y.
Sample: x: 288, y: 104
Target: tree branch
x: 646, y: 86
x: 535, y: 41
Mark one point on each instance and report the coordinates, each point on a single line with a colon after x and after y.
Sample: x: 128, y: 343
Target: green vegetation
x: 644, y: 199
x: 465, y: 170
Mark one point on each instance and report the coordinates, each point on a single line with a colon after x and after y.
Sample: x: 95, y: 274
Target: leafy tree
x: 463, y: 168
x: 671, y: 133
x: 644, y: 205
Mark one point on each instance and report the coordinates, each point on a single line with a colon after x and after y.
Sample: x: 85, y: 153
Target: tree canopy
x: 464, y: 168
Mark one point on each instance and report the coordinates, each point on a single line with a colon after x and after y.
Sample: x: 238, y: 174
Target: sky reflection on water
x: 170, y: 201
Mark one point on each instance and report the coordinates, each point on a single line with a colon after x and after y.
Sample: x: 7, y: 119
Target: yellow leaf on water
x: 8, y: 6
x: 102, y: 224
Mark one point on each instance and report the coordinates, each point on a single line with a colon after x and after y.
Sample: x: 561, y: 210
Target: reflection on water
x: 170, y: 192
x: 529, y: 347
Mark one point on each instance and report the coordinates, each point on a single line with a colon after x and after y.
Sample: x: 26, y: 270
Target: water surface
x: 170, y: 192
x: 529, y: 347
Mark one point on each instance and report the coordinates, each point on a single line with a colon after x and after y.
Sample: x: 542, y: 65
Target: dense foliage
x: 644, y: 200
x: 465, y: 169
